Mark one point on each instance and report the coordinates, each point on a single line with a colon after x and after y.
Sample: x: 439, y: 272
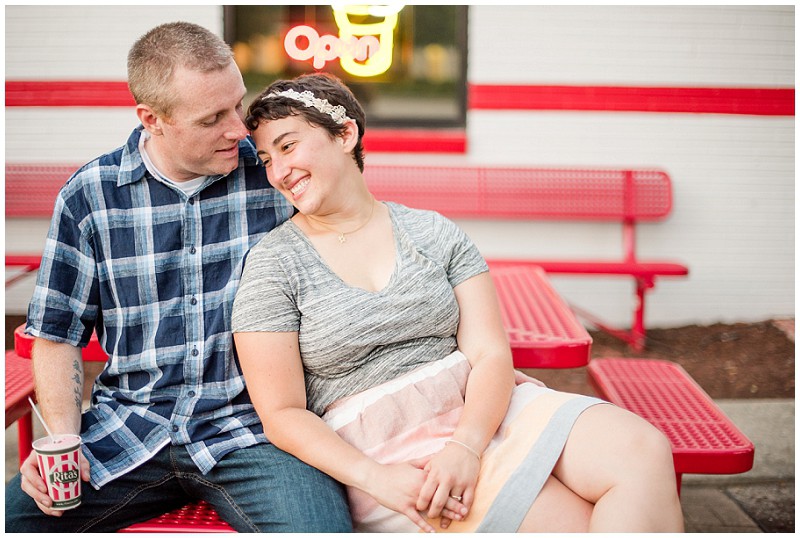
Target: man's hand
x: 34, y: 485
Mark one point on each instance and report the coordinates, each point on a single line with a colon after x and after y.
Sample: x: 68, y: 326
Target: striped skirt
x: 414, y: 415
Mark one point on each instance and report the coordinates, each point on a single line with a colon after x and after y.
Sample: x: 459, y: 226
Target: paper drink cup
x: 59, y: 466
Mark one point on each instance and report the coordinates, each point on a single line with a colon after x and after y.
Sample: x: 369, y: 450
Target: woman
x: 370, y: 337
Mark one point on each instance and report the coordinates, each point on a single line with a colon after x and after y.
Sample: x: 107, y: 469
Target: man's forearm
x: 58, y: 378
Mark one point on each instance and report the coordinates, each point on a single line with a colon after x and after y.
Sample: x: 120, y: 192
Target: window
x: 423, y: 85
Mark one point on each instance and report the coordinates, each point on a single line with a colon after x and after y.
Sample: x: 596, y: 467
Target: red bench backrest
x: 525, y: 193
x: 456, y: 191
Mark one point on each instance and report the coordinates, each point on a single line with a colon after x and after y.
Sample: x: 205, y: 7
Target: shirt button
x: 192, y: 250
x: 191, y: 201
x: 191, y: 394
x: 194, y: 300
x: 174, y: 428
x: 195, y: 353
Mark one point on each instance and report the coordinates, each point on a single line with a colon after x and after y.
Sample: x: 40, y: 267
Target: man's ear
x: 349, y: 137
x: 150, y: 119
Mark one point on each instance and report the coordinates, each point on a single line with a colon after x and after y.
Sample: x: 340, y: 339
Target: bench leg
x: 24, y: 437
x: 637, y: 337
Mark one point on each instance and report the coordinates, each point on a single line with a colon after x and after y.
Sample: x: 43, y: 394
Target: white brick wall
x: 648, y: 45
x: 86, y: 42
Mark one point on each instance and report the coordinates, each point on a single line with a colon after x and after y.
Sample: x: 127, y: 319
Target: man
x: 146, y: 247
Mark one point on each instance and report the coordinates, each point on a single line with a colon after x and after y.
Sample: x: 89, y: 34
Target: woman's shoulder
x: 275, y: 244
x: 416, y: 217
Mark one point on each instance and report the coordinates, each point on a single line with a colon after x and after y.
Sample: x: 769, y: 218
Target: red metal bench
x: 624, y: 196
x: 19, y: 386
x: 704, y: 440
x: 19, y: 378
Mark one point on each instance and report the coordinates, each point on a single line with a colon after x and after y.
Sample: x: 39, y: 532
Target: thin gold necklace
x: 342, y: 234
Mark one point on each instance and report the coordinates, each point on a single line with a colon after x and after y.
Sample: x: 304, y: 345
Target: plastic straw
x: 35, y: 410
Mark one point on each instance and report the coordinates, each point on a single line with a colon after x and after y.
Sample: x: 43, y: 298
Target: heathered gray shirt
x: 352, y: 339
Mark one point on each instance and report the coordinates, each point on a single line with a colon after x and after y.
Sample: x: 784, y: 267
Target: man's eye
x: 210, y: 122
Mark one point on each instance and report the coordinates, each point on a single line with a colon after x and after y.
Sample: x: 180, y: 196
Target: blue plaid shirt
x: 154, y: 272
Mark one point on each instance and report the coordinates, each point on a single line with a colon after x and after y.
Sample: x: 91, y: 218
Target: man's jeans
x: 254, y: 489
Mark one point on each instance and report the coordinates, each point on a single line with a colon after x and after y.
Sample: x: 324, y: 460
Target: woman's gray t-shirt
x: 352, y: 339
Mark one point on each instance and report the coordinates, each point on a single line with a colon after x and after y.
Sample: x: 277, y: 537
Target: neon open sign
x: 363, y: 49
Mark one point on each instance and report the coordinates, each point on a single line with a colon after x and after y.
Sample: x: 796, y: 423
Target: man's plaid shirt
x: 154, y: 272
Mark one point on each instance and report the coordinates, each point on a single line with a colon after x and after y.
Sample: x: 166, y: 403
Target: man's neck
x: 152, y: 148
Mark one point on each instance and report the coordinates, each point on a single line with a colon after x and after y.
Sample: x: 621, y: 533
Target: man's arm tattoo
x: 78, y: 379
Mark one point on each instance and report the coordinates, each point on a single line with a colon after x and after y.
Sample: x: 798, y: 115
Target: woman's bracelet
x: 472, y: 450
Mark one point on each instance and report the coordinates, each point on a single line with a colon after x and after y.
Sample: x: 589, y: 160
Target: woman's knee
x: 648, y: 446
x: 609, y: 443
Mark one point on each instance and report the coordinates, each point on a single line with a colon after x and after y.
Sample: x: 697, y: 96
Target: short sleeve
x: 465, y: 260
x: 264, y: 301
x: 65, y: 301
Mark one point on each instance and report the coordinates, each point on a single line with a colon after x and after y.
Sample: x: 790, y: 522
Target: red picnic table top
x: 542, y: 329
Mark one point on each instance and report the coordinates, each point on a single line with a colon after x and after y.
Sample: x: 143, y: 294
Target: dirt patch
x: 740, y: 360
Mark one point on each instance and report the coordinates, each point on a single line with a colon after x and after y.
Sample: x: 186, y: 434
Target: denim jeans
x: 255, y: 489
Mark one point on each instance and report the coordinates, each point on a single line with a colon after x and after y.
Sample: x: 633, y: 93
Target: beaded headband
x: 337, y: 112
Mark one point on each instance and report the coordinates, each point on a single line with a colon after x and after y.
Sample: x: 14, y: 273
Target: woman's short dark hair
x: 323, y: 86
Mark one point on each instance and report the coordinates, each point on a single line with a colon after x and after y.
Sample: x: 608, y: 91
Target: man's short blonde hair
x: 160, y: 52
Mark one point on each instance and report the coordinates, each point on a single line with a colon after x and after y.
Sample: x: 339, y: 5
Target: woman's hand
x: 449, y: 488
x: 397, y: 487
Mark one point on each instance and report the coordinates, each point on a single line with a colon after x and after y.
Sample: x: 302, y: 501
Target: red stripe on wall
x: 756, y: 101
x: 63, y: 93
x: 416, y: 141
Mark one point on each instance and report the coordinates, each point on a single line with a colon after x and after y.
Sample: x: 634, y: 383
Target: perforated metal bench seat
x: 541, y: 327
x: 194, y: 517
x: 704, y: 440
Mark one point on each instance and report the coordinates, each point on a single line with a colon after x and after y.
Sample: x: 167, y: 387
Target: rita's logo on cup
x: 64, y: 477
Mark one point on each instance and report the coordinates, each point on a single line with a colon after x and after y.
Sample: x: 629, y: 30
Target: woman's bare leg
x: 623, y: 465
x: 557, y: 509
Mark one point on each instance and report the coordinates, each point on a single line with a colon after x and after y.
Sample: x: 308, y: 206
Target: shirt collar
x: 132, y: 168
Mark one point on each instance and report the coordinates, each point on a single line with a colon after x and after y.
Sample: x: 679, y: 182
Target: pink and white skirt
x: 414, y: 415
